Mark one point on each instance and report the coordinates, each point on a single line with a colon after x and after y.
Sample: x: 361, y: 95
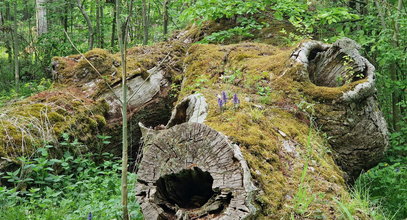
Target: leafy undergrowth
x: 66, y: 188
x: 386, y: 187
x: 25, y: 90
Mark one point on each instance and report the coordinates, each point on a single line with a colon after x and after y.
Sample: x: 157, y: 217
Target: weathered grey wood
x: 143, y: 89
x: 191, y: 171
x: 193, y: 108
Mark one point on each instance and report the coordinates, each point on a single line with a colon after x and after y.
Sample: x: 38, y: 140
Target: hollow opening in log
x: 181, y: 114
x: 154, y: 115
x: 333, y: 68
x: 188, y: 189
x: 314, y: 52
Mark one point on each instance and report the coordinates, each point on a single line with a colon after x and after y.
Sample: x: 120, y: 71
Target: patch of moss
x: 329, y: 93
x: 101, y: 121
x: 27, y: 125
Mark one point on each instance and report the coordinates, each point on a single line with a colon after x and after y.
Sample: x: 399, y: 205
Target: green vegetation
x: 70, y: 187
x: 386, y: 186
x: 27, y: 89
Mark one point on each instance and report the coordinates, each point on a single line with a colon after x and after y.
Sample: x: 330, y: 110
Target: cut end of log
x: 192, y: 171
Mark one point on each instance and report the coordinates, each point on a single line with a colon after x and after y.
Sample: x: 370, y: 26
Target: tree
x: 42, y: 24
x: 165, y: 17
x: 122, y: 39
x: 125, y: 145
x: 15, y: 46
x: 145, y: 22
x: 99, y: 20
x: 88, y: 22
x: 114, y: 34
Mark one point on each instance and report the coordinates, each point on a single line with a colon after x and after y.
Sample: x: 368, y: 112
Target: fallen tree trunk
x: 350, y: 116
x: 84, y: 102
x: 272, y: 142
x: 188, y: 169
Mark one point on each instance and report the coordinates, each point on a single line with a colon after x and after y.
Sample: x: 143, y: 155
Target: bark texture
x: 272, y: 135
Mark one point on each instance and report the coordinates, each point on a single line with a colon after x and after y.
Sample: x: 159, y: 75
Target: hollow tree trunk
x: 357, y: 129
x: 193, y: 171
x: 190, y: 170
x: 252, y: 157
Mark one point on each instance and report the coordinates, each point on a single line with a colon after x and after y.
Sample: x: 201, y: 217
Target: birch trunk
x: 42, y: 24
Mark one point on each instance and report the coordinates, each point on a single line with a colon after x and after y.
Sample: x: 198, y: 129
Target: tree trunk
x: 102, y: 34
x: 88, y: 22
x: 98, y: 32
x: 395, y: 98
x: 165, y: 17
x: 15, y: 48
x: 394, y: 74
x: 42, y: 25
x: 112, y: 41
x: 65, y: 17
x: 195, y: 172
x: 189, y: 170
x: 6, y: 16
x: 145, y: 23
x: 357, y: 112
x: 121, y: 36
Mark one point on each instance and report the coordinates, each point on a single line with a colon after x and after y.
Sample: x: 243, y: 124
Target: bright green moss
x: 329, y: 93
x: 55, y: 117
